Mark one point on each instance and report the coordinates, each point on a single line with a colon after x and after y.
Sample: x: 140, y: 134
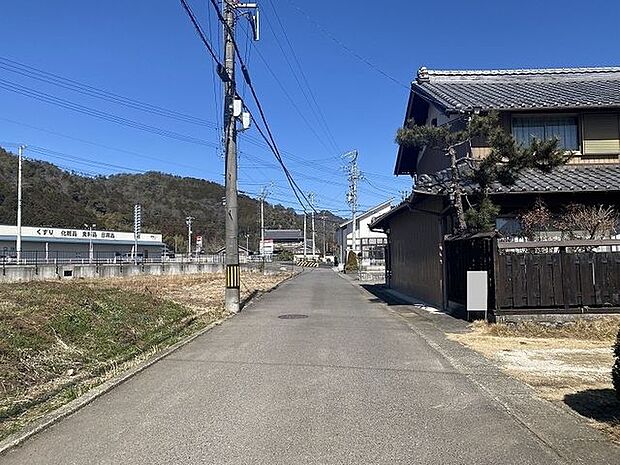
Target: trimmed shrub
x: 352, y: 264
x: 286, y: 256
x: 615, y: 372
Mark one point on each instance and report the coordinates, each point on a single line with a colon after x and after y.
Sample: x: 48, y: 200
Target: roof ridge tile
x: 424, y: 72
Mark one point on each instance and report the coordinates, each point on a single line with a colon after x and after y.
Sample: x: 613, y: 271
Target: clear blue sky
x: 147, y: 50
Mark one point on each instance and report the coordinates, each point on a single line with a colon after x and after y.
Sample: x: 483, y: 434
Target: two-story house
x: 369, y: 244
x: 579, y: 106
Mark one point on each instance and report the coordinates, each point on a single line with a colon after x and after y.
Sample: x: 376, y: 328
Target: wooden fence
x: 537, y: 277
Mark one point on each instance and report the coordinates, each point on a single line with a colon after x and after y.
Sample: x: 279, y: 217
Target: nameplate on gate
x: 477, y: 291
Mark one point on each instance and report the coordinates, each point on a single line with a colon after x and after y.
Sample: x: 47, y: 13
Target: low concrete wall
x: 22, y: 273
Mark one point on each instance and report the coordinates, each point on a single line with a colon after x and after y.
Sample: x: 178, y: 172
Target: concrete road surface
x: 356, y: 382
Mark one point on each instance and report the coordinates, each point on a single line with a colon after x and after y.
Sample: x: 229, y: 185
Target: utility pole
x: 233, y: 110
x: 91, y: 250
x: 137, y: 229
x: 324, y: 239
x: 230, y: 137
x: 231, y: 113
x: 354, y: 176
x: 263, y: 195
x: 311, y: 198
x: 188, y: 222
x: 305, y: 235
x: 18, y: 245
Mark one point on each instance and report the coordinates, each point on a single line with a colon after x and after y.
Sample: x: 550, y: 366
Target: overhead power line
x: 76, y: 107
x: 80, y: 160
x: 91, y: 91
x: 104, y: 146
x: 200, y: 32
x: 290, y: 99
x: 345, y: 47
x: 269, y: 138
x: 377, y: 188
x: 309, y: 96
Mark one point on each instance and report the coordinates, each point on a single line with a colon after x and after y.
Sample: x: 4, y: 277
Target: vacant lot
x: 568, y: 363
x: 59, y: 339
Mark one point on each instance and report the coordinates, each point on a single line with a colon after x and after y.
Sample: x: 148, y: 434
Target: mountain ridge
x: 55, y: 197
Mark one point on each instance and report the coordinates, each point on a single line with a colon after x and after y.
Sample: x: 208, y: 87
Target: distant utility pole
x: 18, y: 246
x: 354, y: 176
x: 311, y: 198
x: 232, y: 110
x: 324, y: 239
x: 263, y: 195
x: 91, y: 249
x: 137, y: 229
x: 188, y: 222
x: 305, y: 235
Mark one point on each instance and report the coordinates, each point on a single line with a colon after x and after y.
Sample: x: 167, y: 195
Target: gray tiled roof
x: 290, y: 235
x: 520, y: 89
x: 568, y: 178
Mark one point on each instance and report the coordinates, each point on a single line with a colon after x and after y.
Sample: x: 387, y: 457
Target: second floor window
x: 564, y: 128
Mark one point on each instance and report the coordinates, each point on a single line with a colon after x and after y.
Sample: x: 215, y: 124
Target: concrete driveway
x: 356, y: 382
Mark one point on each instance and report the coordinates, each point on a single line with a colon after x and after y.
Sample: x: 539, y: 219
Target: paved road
x: 354, y: 383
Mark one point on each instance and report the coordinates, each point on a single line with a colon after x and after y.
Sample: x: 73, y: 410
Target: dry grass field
x: 60, y: 339
x: 568, y: 363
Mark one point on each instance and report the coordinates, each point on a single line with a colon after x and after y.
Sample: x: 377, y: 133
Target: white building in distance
x: 64, y: 243
x: 370, y: 244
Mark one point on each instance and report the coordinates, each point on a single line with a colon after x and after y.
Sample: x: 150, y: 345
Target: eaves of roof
x: 376, y: 225
x: 564, y: 179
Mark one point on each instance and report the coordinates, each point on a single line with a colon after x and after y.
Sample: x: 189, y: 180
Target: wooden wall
x: 415, y: 256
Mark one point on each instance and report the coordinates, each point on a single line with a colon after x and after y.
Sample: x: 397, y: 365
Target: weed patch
x: 60, y: 339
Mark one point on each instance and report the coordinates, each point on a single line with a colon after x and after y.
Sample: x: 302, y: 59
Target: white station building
x: 51, y: 243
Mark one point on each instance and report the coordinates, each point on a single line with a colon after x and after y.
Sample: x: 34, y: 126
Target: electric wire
x: 345, y: 47
x: 321, y: 116
x: 104, y: 146
x: 40, y: 75
x: 270, y: 139
x: 291, y: 100
x: 67, y: 104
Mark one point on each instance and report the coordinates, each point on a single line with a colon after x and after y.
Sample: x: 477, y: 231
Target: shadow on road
x: 381, y: 295
x: 379, y: 291
x: 598, y: 404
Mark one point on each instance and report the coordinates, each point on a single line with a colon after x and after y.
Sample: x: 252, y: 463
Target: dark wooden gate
x: 468, y: 253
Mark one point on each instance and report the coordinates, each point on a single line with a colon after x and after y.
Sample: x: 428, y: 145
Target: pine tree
x: 502, y: 165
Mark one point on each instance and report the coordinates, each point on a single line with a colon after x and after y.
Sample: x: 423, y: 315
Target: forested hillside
x: 56, y: 198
